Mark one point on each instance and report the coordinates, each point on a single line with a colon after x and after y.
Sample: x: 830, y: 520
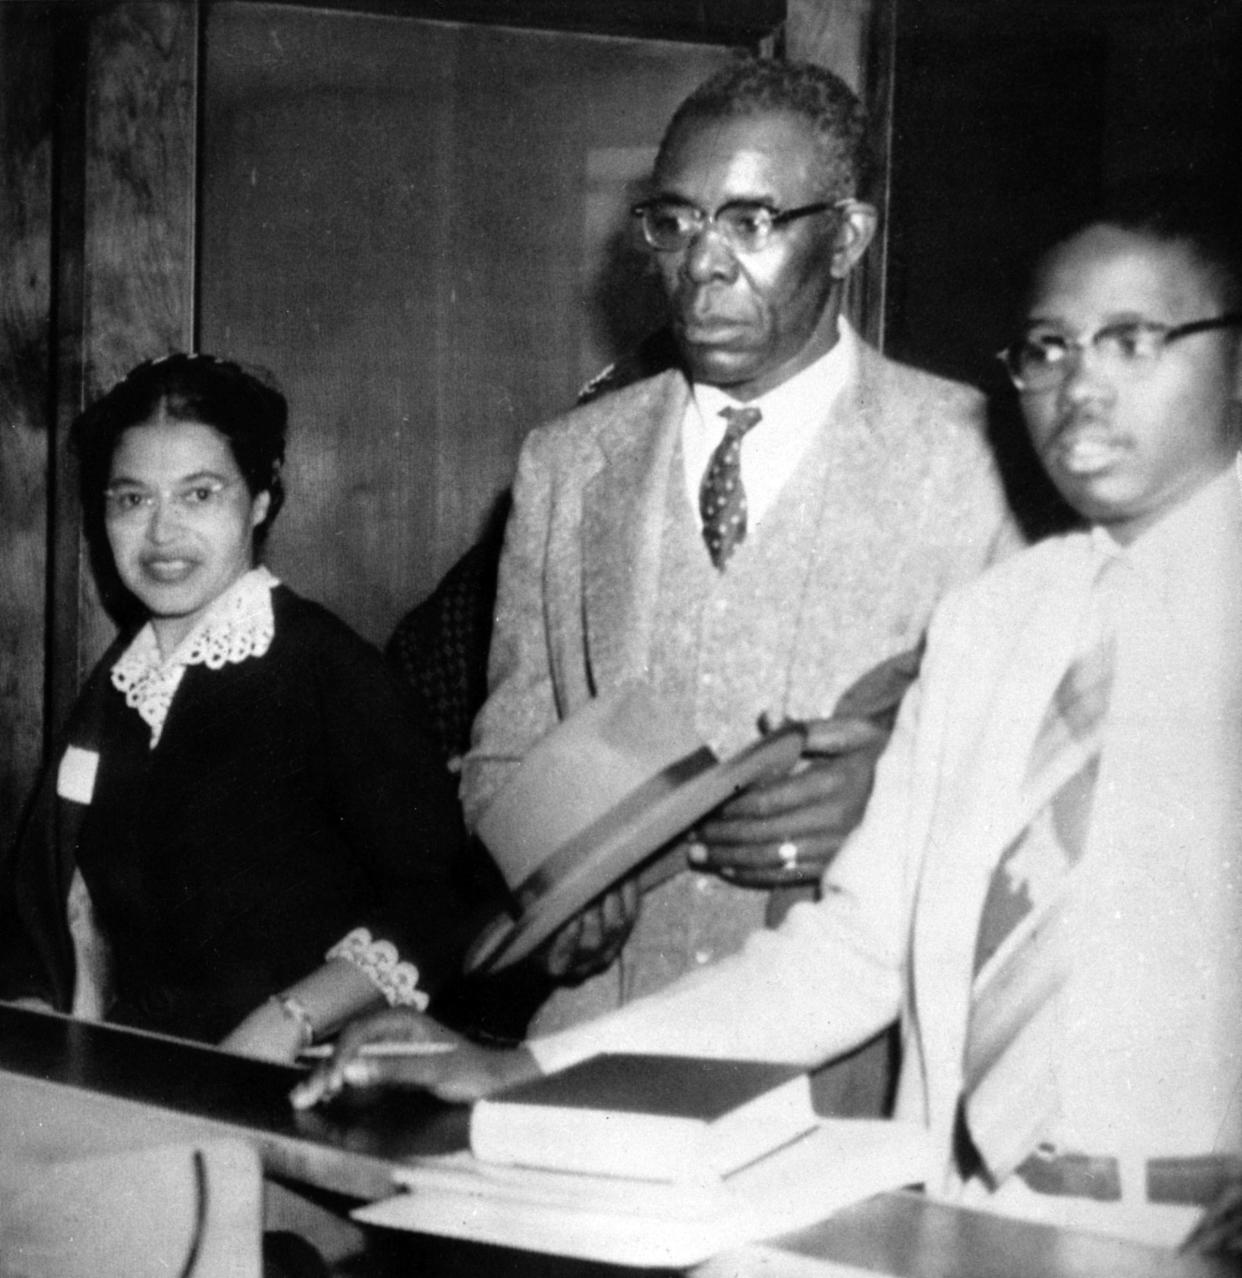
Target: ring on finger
x: 788, y: 853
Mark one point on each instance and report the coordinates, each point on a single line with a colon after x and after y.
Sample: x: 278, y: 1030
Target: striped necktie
x: 722, y: 499
x: 1025, y: 946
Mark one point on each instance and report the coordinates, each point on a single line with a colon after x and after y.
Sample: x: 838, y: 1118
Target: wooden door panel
x: 407, y: 222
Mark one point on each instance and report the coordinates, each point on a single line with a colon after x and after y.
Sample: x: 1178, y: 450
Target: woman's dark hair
x: 244, y: 405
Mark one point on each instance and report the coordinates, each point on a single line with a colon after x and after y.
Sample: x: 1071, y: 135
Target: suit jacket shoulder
x: 938, y: 464
x: 918, y: 415
x: 995, y: 601
x: 611, y: 422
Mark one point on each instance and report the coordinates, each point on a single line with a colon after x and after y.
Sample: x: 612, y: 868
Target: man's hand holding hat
x: 599, y: 797
x: 784, y: 831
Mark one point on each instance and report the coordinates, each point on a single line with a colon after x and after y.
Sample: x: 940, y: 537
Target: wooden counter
x: 69, y: 1088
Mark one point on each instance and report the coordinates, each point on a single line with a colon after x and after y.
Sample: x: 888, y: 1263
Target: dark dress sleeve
x: 36, y: 953
x: 396, y: 807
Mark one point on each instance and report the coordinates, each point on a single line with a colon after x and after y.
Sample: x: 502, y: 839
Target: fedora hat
x: 597, y: 798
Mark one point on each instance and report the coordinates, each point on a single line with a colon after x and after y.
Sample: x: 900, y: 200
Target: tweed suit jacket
x: 911, y: 506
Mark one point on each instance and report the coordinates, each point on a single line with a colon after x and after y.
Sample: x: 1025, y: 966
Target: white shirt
x: 792, y: 414
x: 1151, y: 1063
x: 1159, y: 972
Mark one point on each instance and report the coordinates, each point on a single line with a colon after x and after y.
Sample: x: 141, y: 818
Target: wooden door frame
x: 125, y: 182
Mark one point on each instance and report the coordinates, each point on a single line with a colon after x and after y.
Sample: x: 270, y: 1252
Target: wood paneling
x: 65, y: 557
x: 856, y: 39
x: 834, y: 34
x: 138, y: 238
x: 738, y: 22
x: 421, y: 228
x: 26, y: 126
x: 140, y: 186
x: 97, y: 126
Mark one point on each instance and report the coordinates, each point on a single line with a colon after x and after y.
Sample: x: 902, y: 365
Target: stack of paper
x: 651, y: 1223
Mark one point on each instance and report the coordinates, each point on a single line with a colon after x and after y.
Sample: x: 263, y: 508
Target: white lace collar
x: 239, y: 624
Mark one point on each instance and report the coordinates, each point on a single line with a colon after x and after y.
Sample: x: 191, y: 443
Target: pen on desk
x: 322, y: 1051
x: 315, y: 1087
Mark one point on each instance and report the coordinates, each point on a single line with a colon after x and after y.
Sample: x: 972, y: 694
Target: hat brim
x: 624, y: 844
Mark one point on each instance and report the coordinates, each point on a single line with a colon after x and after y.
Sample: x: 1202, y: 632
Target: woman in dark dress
x: 244, y: 837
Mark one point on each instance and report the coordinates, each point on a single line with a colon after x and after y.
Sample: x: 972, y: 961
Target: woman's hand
x: 267, y: 1034
x: 435, y: 1059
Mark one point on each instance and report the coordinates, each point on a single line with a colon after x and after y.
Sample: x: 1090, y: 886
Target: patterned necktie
x: 1025, y: 945
x: 722, y: 499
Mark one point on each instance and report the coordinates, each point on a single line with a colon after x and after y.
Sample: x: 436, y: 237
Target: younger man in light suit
x: 1047, y: 885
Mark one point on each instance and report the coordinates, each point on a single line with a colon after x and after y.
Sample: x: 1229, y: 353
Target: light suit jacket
x: 912, y: 506
x: 895, y: 933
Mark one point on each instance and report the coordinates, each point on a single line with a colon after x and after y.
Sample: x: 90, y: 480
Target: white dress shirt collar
x: 792, y: 415
x: 1190, y: 537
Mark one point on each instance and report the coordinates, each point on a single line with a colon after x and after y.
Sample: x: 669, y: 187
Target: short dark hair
x: 244, y: 405
x: 1203, y: 214
x: 761, y: 86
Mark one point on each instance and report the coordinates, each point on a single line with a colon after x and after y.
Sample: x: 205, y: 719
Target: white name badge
x: 76, y: 779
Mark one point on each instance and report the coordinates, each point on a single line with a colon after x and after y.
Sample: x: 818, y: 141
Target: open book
x: 652, y: 1223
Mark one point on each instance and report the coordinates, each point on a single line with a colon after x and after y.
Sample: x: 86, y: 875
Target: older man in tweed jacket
x: 869, y: 492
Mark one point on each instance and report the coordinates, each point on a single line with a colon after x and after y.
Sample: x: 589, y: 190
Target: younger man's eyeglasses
x: 1039, y: 361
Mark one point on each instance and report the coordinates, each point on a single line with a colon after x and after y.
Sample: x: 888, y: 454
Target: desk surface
x: 906, y: 1235
x: 126, y: 1088
x: 69, y: 1087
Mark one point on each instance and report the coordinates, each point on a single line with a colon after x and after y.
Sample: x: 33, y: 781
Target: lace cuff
x: 396, y: 980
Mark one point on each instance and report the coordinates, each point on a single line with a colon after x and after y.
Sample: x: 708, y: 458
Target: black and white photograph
x: 620, y: 638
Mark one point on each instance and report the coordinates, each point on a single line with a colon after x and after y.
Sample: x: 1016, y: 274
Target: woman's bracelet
x: 293, y: 1007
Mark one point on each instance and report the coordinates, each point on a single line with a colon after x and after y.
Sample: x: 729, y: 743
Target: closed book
x: 647, y: 1117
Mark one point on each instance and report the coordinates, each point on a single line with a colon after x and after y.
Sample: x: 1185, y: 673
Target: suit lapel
x: 826, y: 548
x: 1024, y: 691
x: 980, y: 808
x: 622, y: 527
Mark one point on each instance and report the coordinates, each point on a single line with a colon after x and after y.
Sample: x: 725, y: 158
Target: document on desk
x: 648, y: 1223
